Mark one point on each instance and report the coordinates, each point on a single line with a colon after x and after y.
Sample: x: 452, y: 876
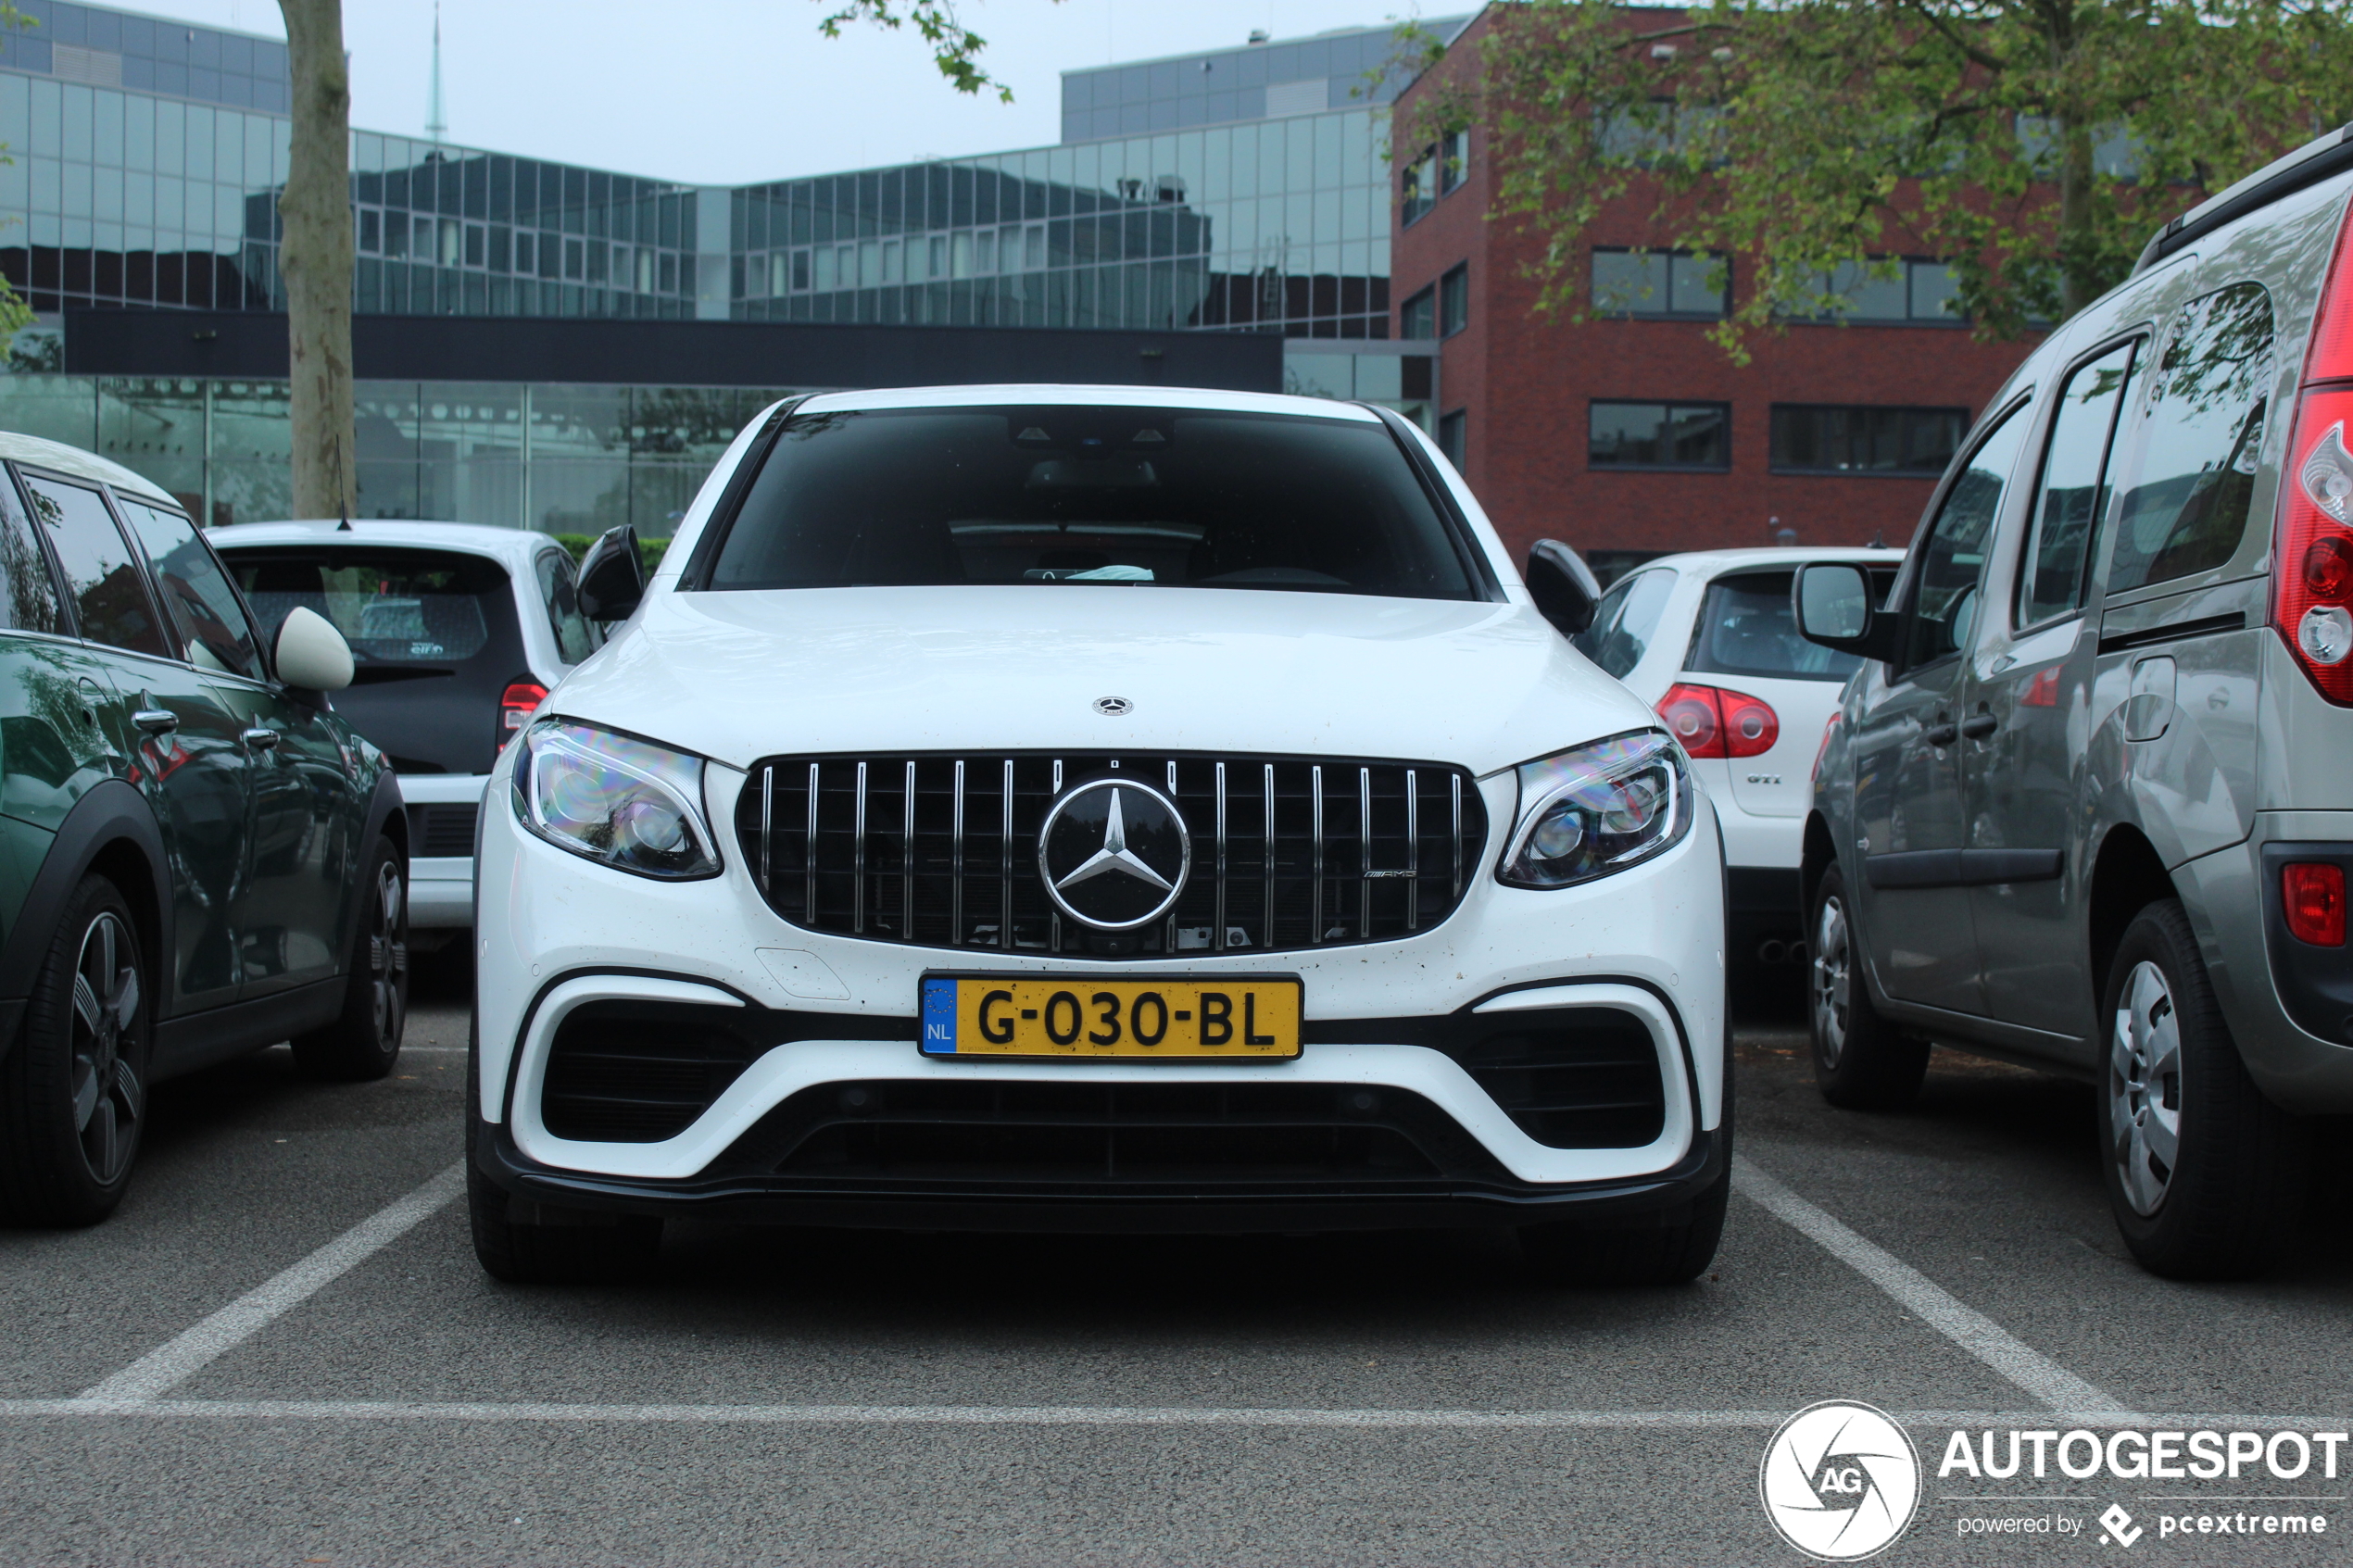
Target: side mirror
x: 1562, y: 585
x: 312, y: 654
x: 612, y: 575
x: 1833, y: 603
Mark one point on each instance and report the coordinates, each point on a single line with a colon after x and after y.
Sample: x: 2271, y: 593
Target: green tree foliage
x: 2037, y: 143
x: 955, y: 48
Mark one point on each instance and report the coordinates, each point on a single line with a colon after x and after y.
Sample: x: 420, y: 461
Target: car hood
x: 740, y: 675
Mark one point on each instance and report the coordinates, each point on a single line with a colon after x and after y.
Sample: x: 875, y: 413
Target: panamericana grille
x: 941, y: 852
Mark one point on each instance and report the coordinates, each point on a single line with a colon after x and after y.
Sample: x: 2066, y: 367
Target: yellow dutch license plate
x: 1078, y: 1018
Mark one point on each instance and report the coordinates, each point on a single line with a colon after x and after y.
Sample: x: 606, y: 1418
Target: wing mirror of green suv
x: 312, y: 654
x: 1832, y: 601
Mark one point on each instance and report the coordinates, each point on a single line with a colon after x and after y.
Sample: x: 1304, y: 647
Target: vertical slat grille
x: 941, y: 852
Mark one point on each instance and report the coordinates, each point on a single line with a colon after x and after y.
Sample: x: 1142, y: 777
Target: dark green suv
x: 197, y: 857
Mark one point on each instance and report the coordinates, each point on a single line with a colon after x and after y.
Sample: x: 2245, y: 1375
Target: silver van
x: 2088, y: 804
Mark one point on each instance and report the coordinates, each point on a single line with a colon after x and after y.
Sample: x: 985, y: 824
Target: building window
x: 1419, y: 317
x: 1660, y: 435
x: 1919, y: 291
x: 1453, y: 301
x: 1452, y: 430
x: 1819, y: 438
x: 1417, y: 186
x: 1659, y: 282
x: 1453, y: 161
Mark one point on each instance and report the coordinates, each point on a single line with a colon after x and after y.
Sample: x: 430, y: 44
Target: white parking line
x: 1964, y: 1325
x: 1063, y: 1415
x: 177, y: 1360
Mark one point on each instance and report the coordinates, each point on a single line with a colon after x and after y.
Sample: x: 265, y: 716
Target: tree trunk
x: 2078, y: 276
x: 315, y: 257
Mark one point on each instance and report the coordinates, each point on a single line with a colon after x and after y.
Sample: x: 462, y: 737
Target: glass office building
x: 1241, y: 190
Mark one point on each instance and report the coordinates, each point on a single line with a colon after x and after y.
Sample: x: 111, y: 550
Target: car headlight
x: 615, y: 799
x: 1597, y: 809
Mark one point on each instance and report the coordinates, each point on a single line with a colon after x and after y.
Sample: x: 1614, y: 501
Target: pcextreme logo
x: 1840, y: 1481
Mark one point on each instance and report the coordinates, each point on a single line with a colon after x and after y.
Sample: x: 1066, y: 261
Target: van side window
x: 1953, y: 555
x: 1625, y: 619
x: 2073, y: 493
x: 2187, y: 510
x: 27, y: 593
x: 109, y: 599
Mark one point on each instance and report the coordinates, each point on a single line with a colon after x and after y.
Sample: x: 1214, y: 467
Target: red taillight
x: 2314, y: 893
x: 2312, y: 554
x: 1711, y: 721
x: 515, y: 705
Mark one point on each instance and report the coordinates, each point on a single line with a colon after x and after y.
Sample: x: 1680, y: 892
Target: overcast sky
x: 727, y: 91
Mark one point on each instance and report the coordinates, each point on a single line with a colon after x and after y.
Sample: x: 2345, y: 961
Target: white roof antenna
x: 436, y: 121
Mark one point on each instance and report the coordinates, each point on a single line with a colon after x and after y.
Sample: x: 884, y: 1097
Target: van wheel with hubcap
x: 364, y: 1040
x: 1861, y: 1061
x: 553, y: 1246
x: 2201, y: 1169
x: 73, y: 1093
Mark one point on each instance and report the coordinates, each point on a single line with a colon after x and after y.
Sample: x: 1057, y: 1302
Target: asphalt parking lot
x: 281, y: 1351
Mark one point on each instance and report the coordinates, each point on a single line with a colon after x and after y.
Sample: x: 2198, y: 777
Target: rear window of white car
x: 1746, y: 627
x: 393, y: 605
x: 1078, y: 497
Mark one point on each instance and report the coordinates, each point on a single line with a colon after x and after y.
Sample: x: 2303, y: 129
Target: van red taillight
x: 515, y: 705
x: 2313, y: 893
x: 1711, y: 721
x: 2312, y: 555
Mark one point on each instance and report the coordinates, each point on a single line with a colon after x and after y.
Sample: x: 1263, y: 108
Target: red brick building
x: 1635, y: 436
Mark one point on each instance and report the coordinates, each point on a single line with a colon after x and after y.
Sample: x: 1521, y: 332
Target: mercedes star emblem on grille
x: 1114, y: 707
x: 1113, y: 854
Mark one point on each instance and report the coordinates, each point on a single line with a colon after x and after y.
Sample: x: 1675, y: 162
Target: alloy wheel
x: 2145, y: 1088
x: 387, y: 954
x: 108, y: 1099
x: 1831, y: 1003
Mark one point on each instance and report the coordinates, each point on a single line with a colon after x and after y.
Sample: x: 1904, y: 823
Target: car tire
x: 364, y: 1040
x: 1861, y: 1061
x: 2202, y: 1170
x: 554, y: 1246
x: 73, y: 1092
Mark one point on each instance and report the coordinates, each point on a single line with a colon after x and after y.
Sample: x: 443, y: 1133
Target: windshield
x: 1083, y: 497
x: 1747, y: 627
x: 393, y: 605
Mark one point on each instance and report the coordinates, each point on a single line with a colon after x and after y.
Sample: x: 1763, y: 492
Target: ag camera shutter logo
x: 1841, y: 1481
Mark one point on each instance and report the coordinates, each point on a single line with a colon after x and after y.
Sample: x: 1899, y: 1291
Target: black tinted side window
x: 101, y: 575
x: 2074, y: 488
x: 27, y: 593
x: 575, y: 633
x: 2187, y: 510
x: 196, y: 591
x: 1944, y: 595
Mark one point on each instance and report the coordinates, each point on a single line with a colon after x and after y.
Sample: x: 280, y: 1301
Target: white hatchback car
x: 457, y: 631
x: 1096, y: 808
x: 1709, y: 639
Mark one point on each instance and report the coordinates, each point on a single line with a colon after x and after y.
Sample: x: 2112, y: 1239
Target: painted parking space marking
x: 181, y: 1358
x: 470, y: 1410
x: 1970, y: 1329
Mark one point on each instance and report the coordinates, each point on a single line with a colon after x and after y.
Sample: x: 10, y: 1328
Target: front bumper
x: 560, y: 933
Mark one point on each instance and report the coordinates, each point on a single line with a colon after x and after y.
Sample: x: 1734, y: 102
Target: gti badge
x: 1113, y: 854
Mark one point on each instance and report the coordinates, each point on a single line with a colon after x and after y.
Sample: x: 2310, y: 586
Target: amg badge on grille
x: 1113, y: 854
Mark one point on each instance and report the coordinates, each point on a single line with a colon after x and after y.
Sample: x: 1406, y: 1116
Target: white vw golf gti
x: 1096, y: 808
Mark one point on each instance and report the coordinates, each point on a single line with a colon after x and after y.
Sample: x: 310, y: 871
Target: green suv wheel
x: 2202, y: 1170
x: 1861, y: 1062
x: 364, y: 1041
x: 74, y: 1094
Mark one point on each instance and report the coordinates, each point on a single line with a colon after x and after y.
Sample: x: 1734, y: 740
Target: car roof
x: 1790, y: 555
x: 1202, y: 398
x: 81, y: 465
x: 513, y: 546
